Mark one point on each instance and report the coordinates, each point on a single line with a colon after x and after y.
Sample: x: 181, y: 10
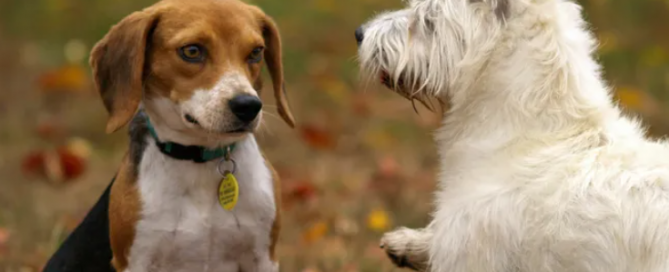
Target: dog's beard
x: 411, y: 90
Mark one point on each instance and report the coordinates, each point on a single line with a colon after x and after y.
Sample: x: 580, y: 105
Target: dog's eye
x: 192, y: 53
x: 256, y: 55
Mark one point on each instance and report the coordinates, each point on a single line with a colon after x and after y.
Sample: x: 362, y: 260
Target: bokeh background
x: 360, y: 162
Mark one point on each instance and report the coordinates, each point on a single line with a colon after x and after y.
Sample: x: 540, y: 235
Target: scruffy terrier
x: 540, y: 170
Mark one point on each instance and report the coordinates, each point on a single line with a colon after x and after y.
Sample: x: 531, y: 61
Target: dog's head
x: 421, y: 51
x: 193, y: 64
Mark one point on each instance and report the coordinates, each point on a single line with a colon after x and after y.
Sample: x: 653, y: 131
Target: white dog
x: 540, y: 171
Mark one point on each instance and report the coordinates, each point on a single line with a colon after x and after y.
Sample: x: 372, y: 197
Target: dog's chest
x: 184, y: 228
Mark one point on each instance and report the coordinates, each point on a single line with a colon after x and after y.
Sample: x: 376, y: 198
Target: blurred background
x: 360, y: 162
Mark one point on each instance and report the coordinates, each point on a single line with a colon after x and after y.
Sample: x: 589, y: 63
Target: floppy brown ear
x: 275, y: 66
x: 118, y: 64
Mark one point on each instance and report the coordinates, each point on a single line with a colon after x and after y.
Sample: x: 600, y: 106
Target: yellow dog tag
x: 228, y: 191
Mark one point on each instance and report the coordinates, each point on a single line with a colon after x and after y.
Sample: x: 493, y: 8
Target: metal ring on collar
x: 222, y: 162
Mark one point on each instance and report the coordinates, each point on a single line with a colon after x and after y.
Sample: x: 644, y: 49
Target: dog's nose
x: 245, y: 107
x: 359, y: 35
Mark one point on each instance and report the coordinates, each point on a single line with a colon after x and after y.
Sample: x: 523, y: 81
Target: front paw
x: 406, y: 249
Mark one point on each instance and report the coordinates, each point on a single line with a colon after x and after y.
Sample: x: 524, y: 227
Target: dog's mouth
x: 388, y: 82
x: 238, y: 128
x: 400, y: 87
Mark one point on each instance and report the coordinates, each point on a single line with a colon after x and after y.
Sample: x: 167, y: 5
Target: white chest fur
x: 182, y: 225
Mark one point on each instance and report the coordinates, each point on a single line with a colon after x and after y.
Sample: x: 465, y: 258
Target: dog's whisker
x: 269, y: 114
x: 264, y: 127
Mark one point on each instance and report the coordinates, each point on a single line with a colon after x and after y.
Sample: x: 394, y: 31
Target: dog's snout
x: 245, y: 107
x: 359, y: 35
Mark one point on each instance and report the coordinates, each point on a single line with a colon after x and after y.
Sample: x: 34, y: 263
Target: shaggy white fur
x: 540, y: 171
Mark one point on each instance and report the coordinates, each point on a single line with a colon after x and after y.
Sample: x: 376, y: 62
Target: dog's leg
x: 408, y: 248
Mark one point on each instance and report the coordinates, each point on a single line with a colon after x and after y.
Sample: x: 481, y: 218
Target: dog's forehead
x: 224, y: 17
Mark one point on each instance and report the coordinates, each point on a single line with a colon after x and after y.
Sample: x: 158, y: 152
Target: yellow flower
x: 378, y: 220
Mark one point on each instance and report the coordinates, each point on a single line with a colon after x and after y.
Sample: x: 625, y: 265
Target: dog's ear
x: 275, y: 66
x: 118, y: 62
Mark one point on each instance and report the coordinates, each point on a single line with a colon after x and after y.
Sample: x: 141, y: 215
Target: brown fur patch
x: 124, y: 209
x: 118, y: 66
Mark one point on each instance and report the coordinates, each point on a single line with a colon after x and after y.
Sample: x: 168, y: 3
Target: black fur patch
x: 88, y: 247
x: 138, y: 133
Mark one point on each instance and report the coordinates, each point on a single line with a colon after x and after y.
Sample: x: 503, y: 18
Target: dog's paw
x: 405, y: 249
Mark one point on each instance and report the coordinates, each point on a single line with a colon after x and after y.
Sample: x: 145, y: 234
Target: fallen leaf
x: 378, y: 220
x: 302, y: 191
x: 317, y: 138
x: 68, y: 78
x: 4, y: 238
x: 315, y: 232
x: 60, y: 165
x: 72, y: 165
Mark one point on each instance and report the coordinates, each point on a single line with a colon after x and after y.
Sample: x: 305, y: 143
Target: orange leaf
x: 68, y: 78
x: 315, y: 232
x: 317, y: 138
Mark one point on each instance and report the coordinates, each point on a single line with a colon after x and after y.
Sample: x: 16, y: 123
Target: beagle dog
x: 194, y: 192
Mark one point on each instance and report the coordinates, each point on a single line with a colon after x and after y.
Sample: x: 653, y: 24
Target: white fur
x: 184, y: 228
x: 540, y: 171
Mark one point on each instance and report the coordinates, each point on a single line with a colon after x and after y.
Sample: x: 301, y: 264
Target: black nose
x: 359, y: 35
x: 245, y: 107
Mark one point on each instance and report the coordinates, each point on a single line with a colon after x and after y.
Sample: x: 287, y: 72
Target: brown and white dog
x: 189, y: 73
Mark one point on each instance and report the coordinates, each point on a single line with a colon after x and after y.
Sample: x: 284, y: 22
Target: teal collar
x: 198, y: 154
